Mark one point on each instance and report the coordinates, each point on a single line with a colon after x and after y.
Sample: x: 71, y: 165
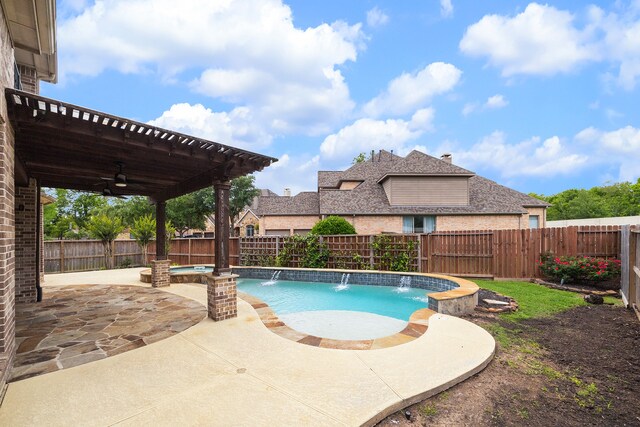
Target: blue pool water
x: 286, y: 297
x: 191, y: 269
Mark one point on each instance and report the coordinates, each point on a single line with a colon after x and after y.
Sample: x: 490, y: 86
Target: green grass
x: 534, y: 300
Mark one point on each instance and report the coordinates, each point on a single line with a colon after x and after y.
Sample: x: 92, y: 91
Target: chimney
x: 287, y: 192
x: 446, y: 157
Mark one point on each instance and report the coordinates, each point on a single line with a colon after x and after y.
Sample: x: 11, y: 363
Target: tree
x: 105, y: 229
x: 333, y: 225
x: 189, y: 211
x: 131, y: 209
x: 170, y: 233
x: 242, y: 193
x: 144, y: 231
x: 68, y: 215
x: 360, y: 158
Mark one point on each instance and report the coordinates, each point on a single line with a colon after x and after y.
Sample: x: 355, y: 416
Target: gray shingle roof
x: 305, y: 203
x: 369, y: 198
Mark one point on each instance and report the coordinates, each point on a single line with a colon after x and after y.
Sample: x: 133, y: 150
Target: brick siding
x: 26, y: 229
x: 7, y: 284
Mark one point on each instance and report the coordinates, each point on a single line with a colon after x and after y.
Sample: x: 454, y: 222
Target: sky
x: 540, y: 97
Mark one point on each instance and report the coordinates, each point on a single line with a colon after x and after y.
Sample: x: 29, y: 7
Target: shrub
x: 333, y: 225
x: 310, y: 251
x: 574, y: 269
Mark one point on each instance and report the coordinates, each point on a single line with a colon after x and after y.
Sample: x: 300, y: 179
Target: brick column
x: 222, y: 297
x: 160, y: 273
x: 26, y: 244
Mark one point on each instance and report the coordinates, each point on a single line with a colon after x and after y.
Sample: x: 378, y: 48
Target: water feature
x: 273, y: 280
x: 344, y: 283
x: 405, y: 285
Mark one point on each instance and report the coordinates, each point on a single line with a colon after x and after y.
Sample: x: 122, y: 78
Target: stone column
x: 160, y: 266
x: 160, y: 273
x: 222, y: 297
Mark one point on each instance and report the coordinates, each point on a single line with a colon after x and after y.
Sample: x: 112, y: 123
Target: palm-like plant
x: 105, y: 229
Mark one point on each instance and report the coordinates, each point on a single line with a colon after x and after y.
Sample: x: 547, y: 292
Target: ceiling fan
x: 107, y: 192
x: 120, y: 179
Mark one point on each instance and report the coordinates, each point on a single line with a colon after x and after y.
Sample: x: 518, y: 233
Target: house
x: 393, y: 194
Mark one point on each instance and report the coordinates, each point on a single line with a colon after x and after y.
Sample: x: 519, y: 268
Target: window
x: 250, y: 230
x: 418, y: 224
x: 534, y: 221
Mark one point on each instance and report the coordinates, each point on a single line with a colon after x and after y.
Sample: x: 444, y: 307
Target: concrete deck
x: 237, y: 372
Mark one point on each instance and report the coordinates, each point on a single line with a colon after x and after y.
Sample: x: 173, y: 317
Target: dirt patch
x: 580, y: 367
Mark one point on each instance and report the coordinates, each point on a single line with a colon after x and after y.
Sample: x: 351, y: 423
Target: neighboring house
x: 392, y: 194
x: 248, y: 225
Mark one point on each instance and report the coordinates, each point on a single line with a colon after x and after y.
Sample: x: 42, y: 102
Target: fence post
x: 61, y: 256
x: 420, y: 253
x: 240, y: 250
x: 113, y: 254
x: 189, y: 253
x: 277, y: 246
x: 371, y: 255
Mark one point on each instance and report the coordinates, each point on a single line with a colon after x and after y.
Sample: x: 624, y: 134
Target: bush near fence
x: 480, y: 253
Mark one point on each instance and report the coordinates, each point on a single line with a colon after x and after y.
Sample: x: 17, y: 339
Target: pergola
x: 66, y: 146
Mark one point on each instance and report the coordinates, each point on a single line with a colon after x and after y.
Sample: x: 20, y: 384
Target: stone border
x: 416, y: 327
x: 182, y: 277
x: 455, y: 296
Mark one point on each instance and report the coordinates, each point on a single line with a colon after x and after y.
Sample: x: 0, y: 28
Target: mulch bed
x: 579, y: 368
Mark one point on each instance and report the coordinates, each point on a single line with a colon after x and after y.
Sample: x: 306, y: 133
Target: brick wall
x: 376, y: 224
x: 289, y: 223
x: 480, y: 222
x: 26, y: 229
x: 7, y: 290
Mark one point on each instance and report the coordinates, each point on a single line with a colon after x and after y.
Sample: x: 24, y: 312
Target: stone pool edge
x: 416, y: 327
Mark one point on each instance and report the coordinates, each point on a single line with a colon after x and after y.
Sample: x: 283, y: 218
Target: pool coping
x: 416, y: 326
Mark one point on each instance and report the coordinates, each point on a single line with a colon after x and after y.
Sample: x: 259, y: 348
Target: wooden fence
x: 630, y: 257
x: 486, y: 253
x: 62, y: 256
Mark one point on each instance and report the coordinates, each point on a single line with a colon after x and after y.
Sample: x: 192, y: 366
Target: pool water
x: 191, y: 269
x: 287, y: 297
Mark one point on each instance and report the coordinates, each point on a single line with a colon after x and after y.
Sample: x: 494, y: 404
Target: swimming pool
x: 288, y: 296
x: 339, y: 311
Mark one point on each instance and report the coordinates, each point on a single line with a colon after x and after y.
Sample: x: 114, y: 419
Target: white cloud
x: 368, y: 134
x: 446, y: 8
x: 621, y: 42
x: 496, y: 101
x: 248, y: 52
x: 531, y: 158
x: 296, y: 172
x: 492, y: 103
x: 619, y: 148
x: 541, y: 40
x: 376, y: 18
x: 408, y: 92
x: 237, y: 127
x: 544, y: 40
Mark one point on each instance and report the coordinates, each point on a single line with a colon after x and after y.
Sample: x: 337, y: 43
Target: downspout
x: 39, y: 232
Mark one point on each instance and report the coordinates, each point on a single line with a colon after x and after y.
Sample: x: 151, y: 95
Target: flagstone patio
x: 74, y: 325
